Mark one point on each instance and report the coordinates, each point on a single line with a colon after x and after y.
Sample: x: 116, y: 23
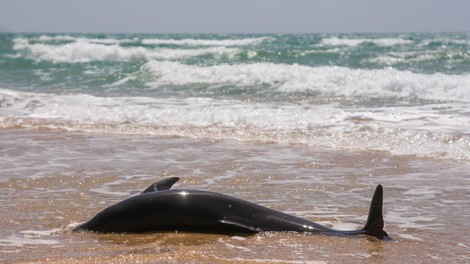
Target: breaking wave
x: 84, y: 50
x: 423, y: 131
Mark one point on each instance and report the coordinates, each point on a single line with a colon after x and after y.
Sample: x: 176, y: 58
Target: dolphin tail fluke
x: 375, y: 222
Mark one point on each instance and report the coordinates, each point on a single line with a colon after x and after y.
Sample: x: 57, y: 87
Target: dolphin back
x: 158, y: 209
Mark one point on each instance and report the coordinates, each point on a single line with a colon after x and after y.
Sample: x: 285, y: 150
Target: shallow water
x: 51, y: 181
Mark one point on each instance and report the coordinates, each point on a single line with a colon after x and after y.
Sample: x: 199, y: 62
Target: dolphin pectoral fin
x: 161, y: 185
x: 237, y: 225
x: 375, y: 222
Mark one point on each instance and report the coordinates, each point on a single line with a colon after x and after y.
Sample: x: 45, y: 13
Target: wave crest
x: 82, y: 50
x: 424, y: 131
x: 328, y: 81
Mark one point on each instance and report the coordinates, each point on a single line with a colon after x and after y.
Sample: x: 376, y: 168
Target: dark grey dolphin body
x: 158, y: 208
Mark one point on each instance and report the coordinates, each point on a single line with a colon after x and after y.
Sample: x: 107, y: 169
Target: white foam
x: 445, y: 41
x: 423, y: 131
x: 38, y: 233
x: 419, y: 57
x: 18, y: 241
x: 335, y: 81
x: 46, y: 38
x: 156, y: 41
x: 206, y: 42
x: 353, y: 42
x: 121, y: 81
x: 82, y: 50
x: 410, y: 237
x: 414, y: 220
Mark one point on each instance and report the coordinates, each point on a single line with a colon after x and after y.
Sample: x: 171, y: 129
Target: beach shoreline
x: 53, y: 180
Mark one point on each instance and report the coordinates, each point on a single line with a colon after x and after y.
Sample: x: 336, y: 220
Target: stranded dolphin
x: 158, y: 208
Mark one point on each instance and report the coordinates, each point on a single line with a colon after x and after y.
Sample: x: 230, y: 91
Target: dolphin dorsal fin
x: 161, y: 185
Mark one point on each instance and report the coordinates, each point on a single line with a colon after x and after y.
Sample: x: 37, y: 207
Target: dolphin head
x: 98, y: 223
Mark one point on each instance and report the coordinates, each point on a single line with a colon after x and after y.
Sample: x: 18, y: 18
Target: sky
x: 235, y: 16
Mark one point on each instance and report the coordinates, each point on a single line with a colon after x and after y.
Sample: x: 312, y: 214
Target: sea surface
x: 307, y: 124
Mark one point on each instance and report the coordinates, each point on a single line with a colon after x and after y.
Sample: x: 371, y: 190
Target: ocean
x: 303, y: 123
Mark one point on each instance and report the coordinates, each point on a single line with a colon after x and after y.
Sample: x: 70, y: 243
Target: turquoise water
x: 407, y: 94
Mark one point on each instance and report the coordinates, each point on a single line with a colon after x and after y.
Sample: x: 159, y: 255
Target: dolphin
x: 159, y: 209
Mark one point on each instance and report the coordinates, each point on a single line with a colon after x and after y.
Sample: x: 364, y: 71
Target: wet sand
x: 50, y: 181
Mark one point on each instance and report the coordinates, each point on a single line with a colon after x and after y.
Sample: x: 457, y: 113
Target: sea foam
x: 67, y: 38
x: 83, y: 50
x: 205, y: 42
x: 353, y: 42
x: 399, y: 130
x: 329, y: 81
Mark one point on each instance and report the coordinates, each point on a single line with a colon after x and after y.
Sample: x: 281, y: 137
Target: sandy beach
x: 51, y: 181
